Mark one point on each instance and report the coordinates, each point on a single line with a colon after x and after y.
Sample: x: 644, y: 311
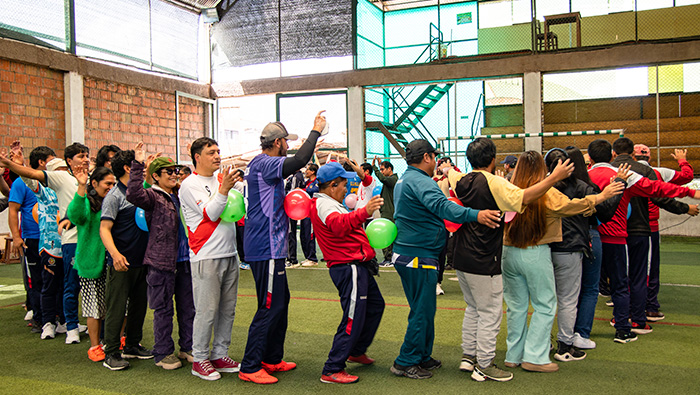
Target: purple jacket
x: 161, y: 252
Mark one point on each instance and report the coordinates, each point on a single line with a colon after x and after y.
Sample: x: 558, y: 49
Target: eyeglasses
x: 170, y: 170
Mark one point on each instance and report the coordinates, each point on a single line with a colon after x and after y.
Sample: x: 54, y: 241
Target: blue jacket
x: 420, y: 210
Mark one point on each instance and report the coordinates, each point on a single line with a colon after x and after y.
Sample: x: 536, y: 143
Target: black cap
x: 417, y: 148
x: 510, y: 160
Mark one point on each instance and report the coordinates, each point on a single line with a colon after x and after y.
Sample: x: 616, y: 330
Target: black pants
x: 52, y: 289
x: 32, y: 260
x: 121, y: 286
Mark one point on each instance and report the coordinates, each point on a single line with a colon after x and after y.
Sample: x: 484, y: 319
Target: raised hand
x: 80, y: 173
x: 139, y: 152
x: 680, y: 154
x: 227, y: 180
x: 320, y: 123
x: 374, y: 204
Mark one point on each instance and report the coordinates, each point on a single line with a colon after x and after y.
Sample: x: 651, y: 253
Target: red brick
x: 49, y: 83
x: 19, y: 88
x: 17, y: 67
x: 35, y: 112
x: 47, y: 113
x: 17, y: 109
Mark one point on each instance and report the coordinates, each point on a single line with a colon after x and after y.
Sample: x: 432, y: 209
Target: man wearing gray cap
x: 420, y: 211
x: 265, y: 245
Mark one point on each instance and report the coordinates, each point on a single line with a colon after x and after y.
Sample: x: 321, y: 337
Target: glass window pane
x: 595, y: 84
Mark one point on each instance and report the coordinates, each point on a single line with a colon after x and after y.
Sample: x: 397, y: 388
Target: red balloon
x: 297, y: 204
x: 449, y: 225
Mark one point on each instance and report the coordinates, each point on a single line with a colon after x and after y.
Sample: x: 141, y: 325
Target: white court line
x: 681, y: 285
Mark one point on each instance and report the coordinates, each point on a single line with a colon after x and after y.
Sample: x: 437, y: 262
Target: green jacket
x: 388, y: 184
x: 90, y: 252
x: 421, y: 209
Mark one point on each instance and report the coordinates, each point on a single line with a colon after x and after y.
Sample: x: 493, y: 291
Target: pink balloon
x: 297, y: 204
x: 509, y: 215
x: 351, y: 201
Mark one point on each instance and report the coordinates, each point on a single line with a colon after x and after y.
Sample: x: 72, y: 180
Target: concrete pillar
x: 532, y: 109
x: 356, y: 123
x: 75, y: 116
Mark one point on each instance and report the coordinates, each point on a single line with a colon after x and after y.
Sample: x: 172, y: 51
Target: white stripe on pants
x: 215, y: 291
x: 482, y: 317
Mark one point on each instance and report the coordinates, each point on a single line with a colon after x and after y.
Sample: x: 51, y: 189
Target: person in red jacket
x: 613, y: 235
x: 348, y: 256
x: 642, y: 155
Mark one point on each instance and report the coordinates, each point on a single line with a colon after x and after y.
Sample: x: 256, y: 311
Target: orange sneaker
x: 341, y: 377
x: 279, y: 367
x: 96, y: 353
x: 259, y: 377
x: 361, y: 359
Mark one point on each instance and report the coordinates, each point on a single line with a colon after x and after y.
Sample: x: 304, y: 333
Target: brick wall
x: 31, y: 106
x: 124, y: 115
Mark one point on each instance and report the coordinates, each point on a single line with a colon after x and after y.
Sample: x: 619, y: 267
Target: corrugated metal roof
x: 201, y: 4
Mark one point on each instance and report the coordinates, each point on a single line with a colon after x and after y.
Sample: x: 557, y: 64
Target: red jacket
x: 674, y: 177
x: 615, y: 230
x: 339, y: 233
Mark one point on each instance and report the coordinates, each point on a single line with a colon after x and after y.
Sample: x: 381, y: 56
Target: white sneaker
x: 82, y: 328
x: 73, y: 336
x: 29, y: 315
x: 48, y: 331
x: 583, y: 343
x: 309, y: 263
x: 438, y: 290
x: 61, y: 328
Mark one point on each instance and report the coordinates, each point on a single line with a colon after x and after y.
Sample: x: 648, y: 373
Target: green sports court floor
x: 666, y: 361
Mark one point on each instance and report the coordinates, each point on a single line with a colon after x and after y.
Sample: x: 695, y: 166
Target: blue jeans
x: 71, y: 286
x: 590, y: 278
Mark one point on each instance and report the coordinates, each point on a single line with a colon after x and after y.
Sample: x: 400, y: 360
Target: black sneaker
x: 431, y: 364
x: 412, y: 372
x: 139, y: 352
x: 625, y: 337
x: 566, y: 353
x: 36, y: 326
x: 115, y: 362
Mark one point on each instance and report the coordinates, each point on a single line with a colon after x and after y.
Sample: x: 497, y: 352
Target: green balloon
x: 235, y: 207
x: 381, y: 233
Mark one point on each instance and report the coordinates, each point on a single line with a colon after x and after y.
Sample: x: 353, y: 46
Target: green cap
x: 161, y: 162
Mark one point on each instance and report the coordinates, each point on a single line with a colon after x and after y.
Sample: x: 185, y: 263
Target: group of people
x: 106, y: 234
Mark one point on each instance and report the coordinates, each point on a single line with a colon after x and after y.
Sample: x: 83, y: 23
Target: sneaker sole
x: 339, y: 382
x: 132, y: 356
x: 641, y: 331
x: 203, y: 377
x: 253, y: 381
x: 654, y: 319
x: 228, y: 370
x: 567, y: 357
x: 169, y: 366
x: 481, y: 376
x: 404, y: 374
x: 623, y: 341
x: 114, y: 368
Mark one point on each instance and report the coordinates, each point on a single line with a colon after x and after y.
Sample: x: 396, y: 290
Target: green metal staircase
x: 410, y: 105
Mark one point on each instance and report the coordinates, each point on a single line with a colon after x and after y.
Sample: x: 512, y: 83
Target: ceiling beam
x: 475, y: 68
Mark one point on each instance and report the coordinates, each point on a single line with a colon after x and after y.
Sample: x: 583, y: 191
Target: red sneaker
x: 341, y: 377
x: 204, y: 370
x: 96, y: 353
x: 279, y: 367
x: 122, y: 343
x: 259, y: 377
x: 225, y: 365
x: 361, y: 359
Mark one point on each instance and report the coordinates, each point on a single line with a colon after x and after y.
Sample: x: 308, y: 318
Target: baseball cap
x: 510, y: 160
x: 275, y: 130
x: 332, y: 170
x: 55, y: 163
x: 641, y: 150
x: 417, y: 148
x: 161, y: 163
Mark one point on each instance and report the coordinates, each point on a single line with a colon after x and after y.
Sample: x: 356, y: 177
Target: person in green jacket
x: 421, y: 209
x: 385, y: 174
x: 84, y: 211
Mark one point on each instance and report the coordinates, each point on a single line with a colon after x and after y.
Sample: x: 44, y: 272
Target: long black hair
x: 552, y: 159
x: 580, y: 168
x: 95, y: 200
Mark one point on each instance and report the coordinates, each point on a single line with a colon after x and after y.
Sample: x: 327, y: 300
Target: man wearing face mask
x: 265, y: 246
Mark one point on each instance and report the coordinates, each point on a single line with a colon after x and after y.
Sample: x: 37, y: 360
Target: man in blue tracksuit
x: 420, y: 211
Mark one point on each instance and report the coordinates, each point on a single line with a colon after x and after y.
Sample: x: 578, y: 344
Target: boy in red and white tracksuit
x: 348, y: 254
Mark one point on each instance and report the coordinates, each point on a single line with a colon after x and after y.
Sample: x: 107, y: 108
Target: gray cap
x: 275, y: 130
